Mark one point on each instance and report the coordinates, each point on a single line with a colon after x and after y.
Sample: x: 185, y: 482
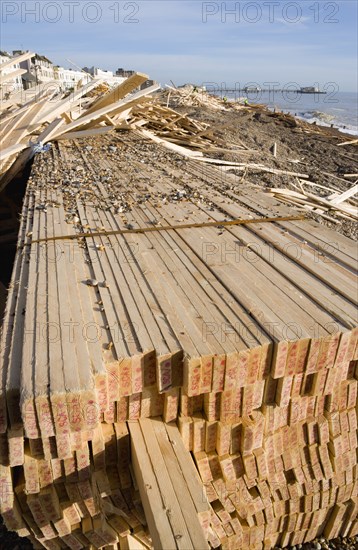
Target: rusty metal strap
x: 105, y: 233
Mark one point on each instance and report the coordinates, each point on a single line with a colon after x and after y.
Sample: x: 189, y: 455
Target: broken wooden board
x: 10, y: 76
x: 16, y: 60
x: 119, y: 92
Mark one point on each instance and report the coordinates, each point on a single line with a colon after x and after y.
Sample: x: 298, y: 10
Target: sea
x: 338, y: 109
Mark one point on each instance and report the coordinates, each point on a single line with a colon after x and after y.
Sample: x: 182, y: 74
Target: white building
x: 40, y: 70
x: 39, y: 67
x: 107, y: 76
x: 70, y: 79
x: 14, y: 84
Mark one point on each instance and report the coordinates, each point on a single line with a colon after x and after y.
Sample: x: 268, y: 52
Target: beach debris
x: 92, y: 282
x: 30, y: 121
x: 336, y: 202
x: 90, y: 112
x: 193, y: 96
x: 274, y: 149
x: 350, y: 142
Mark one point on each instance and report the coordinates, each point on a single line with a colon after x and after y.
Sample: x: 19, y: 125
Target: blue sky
x: 278, y: 41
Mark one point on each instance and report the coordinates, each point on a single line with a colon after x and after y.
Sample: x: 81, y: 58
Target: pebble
x: 92, y: 282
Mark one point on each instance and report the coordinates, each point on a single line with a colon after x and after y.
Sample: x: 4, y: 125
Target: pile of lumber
x: 192, y: 96
x: 245, y: 336
x: 285, y: 473
x: 99, y: 90
x: 30, y: 120
x: 342, y: 204
x: 172, y: 127
x: 28, y: 124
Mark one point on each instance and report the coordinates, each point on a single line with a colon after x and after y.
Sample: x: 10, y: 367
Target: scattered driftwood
x: 350, y: 142
x: 174, y: 127
x: 336, y: 202
x: 192, y: 96
x: 338, y: 199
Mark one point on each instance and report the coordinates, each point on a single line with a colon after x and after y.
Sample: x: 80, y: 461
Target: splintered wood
x: 336, y: 202
x: 192, y: 96
x: 242, y: 338
x: 33, y: 117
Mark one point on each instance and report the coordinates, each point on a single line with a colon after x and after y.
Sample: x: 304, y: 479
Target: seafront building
x: 14, y: 84
x: 41, y: 70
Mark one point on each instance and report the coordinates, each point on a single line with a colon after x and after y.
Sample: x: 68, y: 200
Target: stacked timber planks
x: 177, y: 510
x: 245, y: 336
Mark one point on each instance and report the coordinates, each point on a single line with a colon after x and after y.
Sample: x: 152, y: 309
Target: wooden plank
x: 119, y: 92
x: 129, y: 542
x: 168, y: 495
x: 188, y: 469
x: 10, y: 76
x: 22, y: 126
x: 84, y: 133
x: 27, y: 402
x: 7, y: 331
x: 41, y: 368
x: 87, y: 369
x: 64, y: 105
x: 57, y: 381
x: 180, y: 485
x: 12, y: 150
x: 15, y: 60
x: 13, y: 384
x: 168, y: 145
x: 350, y: 142
x: 50, y: 130
x: 122, y: 104
x: 344, y: 196
x: 154, y: 507
x: 329, y: 204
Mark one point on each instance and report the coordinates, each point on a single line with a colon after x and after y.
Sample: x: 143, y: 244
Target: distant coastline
x: 338, y: 109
